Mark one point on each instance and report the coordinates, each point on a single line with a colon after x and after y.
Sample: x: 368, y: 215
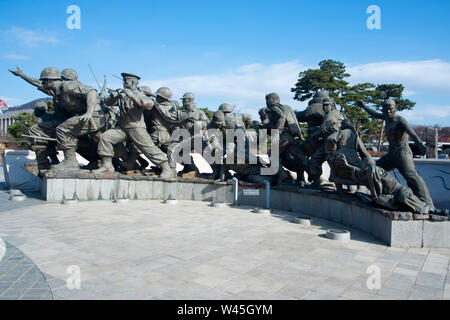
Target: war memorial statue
x: 131, y: 103
x: 114, y: 128
x: 400, y: 155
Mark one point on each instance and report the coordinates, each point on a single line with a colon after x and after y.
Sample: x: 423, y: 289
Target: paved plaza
x: 151, y: 250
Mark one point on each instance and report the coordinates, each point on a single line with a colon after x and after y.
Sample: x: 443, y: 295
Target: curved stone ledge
x: 398, y: 229
x: 2, y: 249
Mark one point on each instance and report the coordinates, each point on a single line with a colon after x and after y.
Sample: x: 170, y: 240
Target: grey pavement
x: 150, y: 250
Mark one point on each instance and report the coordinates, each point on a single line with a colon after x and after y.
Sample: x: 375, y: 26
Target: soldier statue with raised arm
x: 400, y: 155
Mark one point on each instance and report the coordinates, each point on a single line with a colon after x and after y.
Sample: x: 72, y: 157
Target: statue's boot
x: 167, y: 171
x: 41, y: 161
x: 142, y: 162
x: 54, y: 159
x: 70, y: 161
x: 316, y: 184
x: 92, y: 165
x: 107, y: 166
x: 301, y: 178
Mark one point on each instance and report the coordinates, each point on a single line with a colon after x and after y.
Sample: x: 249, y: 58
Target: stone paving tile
x: 149, y: 252
x: 431, y: 280
x: 393, y: 293
x: 425, y: 293
x: 361, y: 294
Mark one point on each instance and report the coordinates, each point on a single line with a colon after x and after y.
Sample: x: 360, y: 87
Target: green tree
x: 330, y: 76
x: 51, y: 107
x: 395, y: 92
x: 23, y: 121
x: 208, y: 113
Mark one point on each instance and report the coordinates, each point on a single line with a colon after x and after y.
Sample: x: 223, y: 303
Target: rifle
x: 38, y: 138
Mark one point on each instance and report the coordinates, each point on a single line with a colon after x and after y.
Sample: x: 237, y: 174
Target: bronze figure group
x: 111, y: 129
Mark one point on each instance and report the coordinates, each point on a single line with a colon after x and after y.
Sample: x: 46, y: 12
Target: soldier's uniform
x: 331, y: 123
x: 132, y: 128
x: 73, y: 98
x: 45, y: 127
x: 191, y: 120
x: 158, y: 127
x: 283, y: 118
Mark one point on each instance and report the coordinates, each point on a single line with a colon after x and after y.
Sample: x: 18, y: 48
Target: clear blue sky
x: 233, y: 51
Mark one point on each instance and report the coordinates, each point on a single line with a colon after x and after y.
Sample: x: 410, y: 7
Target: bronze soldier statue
x: 330, y: 123
x: 190, y: 118
x: 399, y: 155
x: 282, y: 118
x: 85, y: 117
x: 242, y: 120
x: 131, y: 102
x: 45, y: 123
x: 49, y: 82
x: 158, y: 127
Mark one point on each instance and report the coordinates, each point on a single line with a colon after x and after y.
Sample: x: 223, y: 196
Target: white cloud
x: 30, y: 38
x: 441, y: 114
x: 16, y: 57
x: 418, y: 77
x: 245, y: 86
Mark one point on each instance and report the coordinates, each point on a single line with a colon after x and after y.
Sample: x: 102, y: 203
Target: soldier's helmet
x: 164, y: 93
x: 388, y: 103
x: 219, y: 117
x: 126, y: 75
x: 321, y: 94
x: 327, y: 101
x: 188, y: 95
x: 147, y: 91
x: 50, y: 73
x: 41, y: 105
x: 229, y: 123
x: 225, y: 107
x: 69, y: 74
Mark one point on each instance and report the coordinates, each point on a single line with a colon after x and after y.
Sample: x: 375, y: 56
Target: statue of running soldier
x: 132, y: 102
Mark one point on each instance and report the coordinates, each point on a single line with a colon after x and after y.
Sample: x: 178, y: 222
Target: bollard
x: 267, y: 194
x: 236, y: 186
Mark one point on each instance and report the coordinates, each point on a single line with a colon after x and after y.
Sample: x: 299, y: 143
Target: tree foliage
x: 23, y: 121
x: 331, y: 76
x: 208, y: 113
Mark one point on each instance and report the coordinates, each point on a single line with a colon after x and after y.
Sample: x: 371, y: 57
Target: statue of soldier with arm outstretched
x: 400, y: 155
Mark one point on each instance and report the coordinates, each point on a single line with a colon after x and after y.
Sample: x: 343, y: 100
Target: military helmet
x: 129, y: 75
x: 321, y: 94
x: 219, y: 117
x: 327, y: 101
x: 225, y: 108
x: 388, y: 103
x: 69, y: 74
x: 50, y: 73
x: 147, y: 91
x: 41, y: 105
x: 273, y: 95
x: 188, y: 95
x: 230, y: 123
x: 164, y: 92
